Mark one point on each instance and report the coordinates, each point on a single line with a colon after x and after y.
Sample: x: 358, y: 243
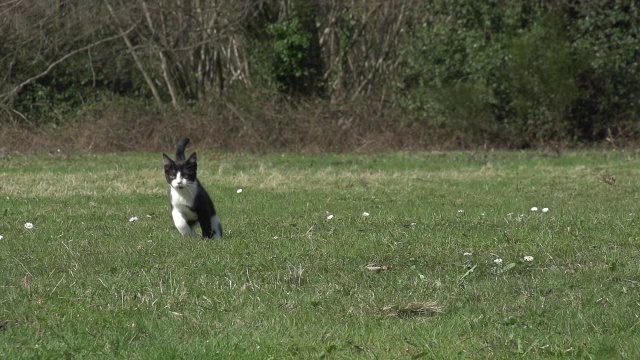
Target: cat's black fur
x: 190, y: 203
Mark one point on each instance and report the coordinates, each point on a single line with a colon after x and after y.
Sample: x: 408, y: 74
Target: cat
x: 190, y: 203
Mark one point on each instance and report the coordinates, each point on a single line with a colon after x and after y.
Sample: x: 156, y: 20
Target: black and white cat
x: 190, y: 203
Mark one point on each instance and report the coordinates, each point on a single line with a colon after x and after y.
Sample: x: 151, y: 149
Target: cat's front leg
x: 181, y: 223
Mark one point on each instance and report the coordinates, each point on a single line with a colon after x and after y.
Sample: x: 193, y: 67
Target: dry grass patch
x: 110, y: 182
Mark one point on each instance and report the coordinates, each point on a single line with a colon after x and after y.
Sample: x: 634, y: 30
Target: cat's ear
x: 193, y: 158
x: 167, y: 160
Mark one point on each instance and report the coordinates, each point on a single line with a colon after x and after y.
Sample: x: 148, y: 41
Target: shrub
x: 522, y: 74
x: 296, y: 62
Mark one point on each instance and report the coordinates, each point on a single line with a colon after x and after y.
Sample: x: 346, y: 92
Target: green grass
x: 286, y: 282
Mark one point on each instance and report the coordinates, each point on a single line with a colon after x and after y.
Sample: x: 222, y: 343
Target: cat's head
x: 180, y: 173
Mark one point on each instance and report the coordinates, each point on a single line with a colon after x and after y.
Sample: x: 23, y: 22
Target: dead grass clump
x: 414, y: 309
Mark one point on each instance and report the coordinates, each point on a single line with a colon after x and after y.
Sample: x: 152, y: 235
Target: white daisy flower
x: 460, y: 211
x: 467, y: 254
x: 365, y: 214
x: 330, y: 216
x: 534, y: 209
x: 544, y: 210
x: 528, y: 258
x: 28, y: 225
x: 498, y: 261
x: 238, y: 191
x: 1, y: 237
x: 133, y: 219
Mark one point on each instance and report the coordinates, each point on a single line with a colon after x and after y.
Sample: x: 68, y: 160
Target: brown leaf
x: 378, y: 268
x: 25, y: 281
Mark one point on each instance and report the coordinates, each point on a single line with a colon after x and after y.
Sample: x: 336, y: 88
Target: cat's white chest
x: 183, y: 200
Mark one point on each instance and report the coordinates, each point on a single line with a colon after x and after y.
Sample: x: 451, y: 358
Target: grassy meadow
x: 437, y: 269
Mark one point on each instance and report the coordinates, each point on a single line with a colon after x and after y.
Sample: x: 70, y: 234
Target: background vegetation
x: 318, y: 75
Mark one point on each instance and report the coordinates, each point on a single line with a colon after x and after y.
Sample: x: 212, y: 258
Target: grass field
x: 435, y: 271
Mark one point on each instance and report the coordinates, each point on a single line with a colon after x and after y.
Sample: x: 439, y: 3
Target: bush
x: 296, y: 62
x: 510, y: 73
x: 607, y: 33
x: 522, y: 74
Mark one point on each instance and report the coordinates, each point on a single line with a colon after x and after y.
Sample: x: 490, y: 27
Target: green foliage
x: 287, y: 282
x: 290, y: 44
x: 82, y: 79
x: 607, y: 33
x: 514, y: 73
x: 537, y: 86
x: 52, y: 98
x: 296, y: 62
x: 522, y: 72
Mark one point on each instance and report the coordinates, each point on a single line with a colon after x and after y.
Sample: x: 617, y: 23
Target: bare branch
x: 11, y: 5
x: 146, y: 76
x: 18, y: 88
x: 163, y: 59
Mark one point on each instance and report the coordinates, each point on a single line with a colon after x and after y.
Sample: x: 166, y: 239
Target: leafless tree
x: 193, y: 50
x: 363, y: 44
